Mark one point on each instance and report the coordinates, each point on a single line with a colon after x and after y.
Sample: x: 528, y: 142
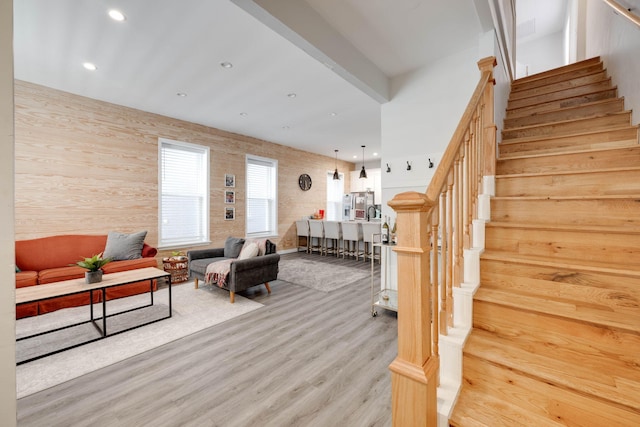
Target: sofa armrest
x: 255, y: 262
x: 205, y: 253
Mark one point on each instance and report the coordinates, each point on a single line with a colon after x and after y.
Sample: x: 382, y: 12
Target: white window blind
x: 262, y: 196
x: 184, y: 193
x: 335, y: 191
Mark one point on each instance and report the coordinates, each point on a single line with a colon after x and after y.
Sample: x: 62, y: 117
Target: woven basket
x: 179, y: 270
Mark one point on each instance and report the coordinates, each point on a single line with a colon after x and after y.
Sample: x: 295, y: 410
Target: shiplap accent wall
x: 87, y: 167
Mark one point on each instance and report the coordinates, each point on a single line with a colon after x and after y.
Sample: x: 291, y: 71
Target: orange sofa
x: 48, y: 259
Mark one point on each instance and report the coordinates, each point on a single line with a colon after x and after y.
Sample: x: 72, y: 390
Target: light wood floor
x: 306, y: 358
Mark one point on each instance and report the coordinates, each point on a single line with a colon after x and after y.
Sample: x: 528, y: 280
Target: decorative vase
x: 93, y: 276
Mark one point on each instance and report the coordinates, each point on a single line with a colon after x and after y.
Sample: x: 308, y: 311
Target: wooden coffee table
x: 77, y: 286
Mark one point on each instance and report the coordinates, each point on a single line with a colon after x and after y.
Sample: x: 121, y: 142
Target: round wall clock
x: 304, y: 181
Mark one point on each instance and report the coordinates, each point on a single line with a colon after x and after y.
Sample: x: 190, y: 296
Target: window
x: 262, y: 197
x: 335, y: 192
x: 184, y: 193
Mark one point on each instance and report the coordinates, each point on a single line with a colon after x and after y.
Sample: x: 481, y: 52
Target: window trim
x: 207, y: 202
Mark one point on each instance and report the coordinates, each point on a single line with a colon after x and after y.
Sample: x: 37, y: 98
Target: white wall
x: 542, y: 54
x: 7, y: 272
x: 418, y: 122
x: 617, y: 42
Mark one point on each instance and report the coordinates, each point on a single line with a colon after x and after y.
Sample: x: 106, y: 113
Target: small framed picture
x: 230, y: 213
x: 229, y: 196
x: 229, y: 180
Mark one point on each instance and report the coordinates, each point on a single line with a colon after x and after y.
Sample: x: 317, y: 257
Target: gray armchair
x: 243, y: 274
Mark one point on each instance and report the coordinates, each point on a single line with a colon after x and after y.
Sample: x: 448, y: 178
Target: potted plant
x: 176, y: 256
x: 94, y: 267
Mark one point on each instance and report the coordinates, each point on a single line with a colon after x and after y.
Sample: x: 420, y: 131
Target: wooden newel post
x: 414, y: 371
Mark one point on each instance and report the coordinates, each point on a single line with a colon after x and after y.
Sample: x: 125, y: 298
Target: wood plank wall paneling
x: 86, y: 166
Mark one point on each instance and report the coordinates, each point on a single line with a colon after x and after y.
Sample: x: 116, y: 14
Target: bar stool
x: 302, y: 228
x: 316, y: 231
x: 368, y: 230
x: 333, y: 234
x: 352, y: 236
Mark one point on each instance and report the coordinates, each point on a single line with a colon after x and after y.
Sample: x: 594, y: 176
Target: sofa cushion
x: 61, y: 273
x: 26, y: 278
x: 249, y: 251
x: 57, y: 251
x: 233, y: 246
x: 200, y: 265
x: 130, y: 264
x: 121, y: 246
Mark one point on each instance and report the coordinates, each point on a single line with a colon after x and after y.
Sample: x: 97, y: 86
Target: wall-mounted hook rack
x: 430, y: 164
x: 388, y: 168
x: 408, y: 165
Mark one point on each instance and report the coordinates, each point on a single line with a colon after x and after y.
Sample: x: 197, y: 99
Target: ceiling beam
x: 299, y: 23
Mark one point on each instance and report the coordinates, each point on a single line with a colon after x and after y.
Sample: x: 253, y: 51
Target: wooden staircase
x: 556, y: 320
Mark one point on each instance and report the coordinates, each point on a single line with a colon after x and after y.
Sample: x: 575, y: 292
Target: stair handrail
x: 623, y: 11
x: 432, y: 223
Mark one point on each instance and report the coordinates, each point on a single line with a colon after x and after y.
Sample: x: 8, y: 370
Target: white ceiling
x: 167, y: 47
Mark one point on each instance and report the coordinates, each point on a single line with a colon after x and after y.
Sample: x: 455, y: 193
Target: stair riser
x: 555, y: 72
x: 562, y: 94
x: 608, y: 93
x: 498, y: 396
x: 614, y: 105
x: 580, y: 184
x: 611, y: 121
x: 562, y: 85
x: 599, y: 298
x: 516, y: 88
x: 627, y: 137
x: 624, y: 213
x: 580, y: 161
x: 565, y: 245
x: 547, y: 346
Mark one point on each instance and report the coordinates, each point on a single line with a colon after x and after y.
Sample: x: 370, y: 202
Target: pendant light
x: 363, y: 173
x: 336, y: 175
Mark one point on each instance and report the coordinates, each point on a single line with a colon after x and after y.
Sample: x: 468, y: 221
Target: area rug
x: 193, y: 310
x: 316, y: 275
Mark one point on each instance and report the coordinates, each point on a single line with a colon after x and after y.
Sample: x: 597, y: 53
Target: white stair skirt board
x: 450, y: 372
x: 489, y: 185
x: 484, y: 207
x: 478, y: 233
x: 471, y: 259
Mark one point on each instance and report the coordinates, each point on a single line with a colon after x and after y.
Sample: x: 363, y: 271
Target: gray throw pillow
x: 121, y: 246
x: 232, y: 247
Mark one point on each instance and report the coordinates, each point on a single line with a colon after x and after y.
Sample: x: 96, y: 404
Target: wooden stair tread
x: 534, y: 155
x: 586, y: 312
x: 572, y: 172
x: 560, y: 78
x: 548, y: 116
x: 524, y: 93
x: 564, y: 227
x: 626, y: 270
x: 512, y: 141
x: 583, y: 90
x: 554, y: 362
x: 546, y: 106
x: 581, y: 119
x: 490, y: 389
x: 559, y: 70
x: 587, y: 197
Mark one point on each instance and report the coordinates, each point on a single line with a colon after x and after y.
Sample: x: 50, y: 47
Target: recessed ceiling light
x: 116, y: 15
x: 333, y: 114
x: 90, y: 66
x: 375, y: 154
x: 244, y: 114
x: 181, y: 94
x: 292, y: 95
x: 355, y: 156
x: 226, y: 65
